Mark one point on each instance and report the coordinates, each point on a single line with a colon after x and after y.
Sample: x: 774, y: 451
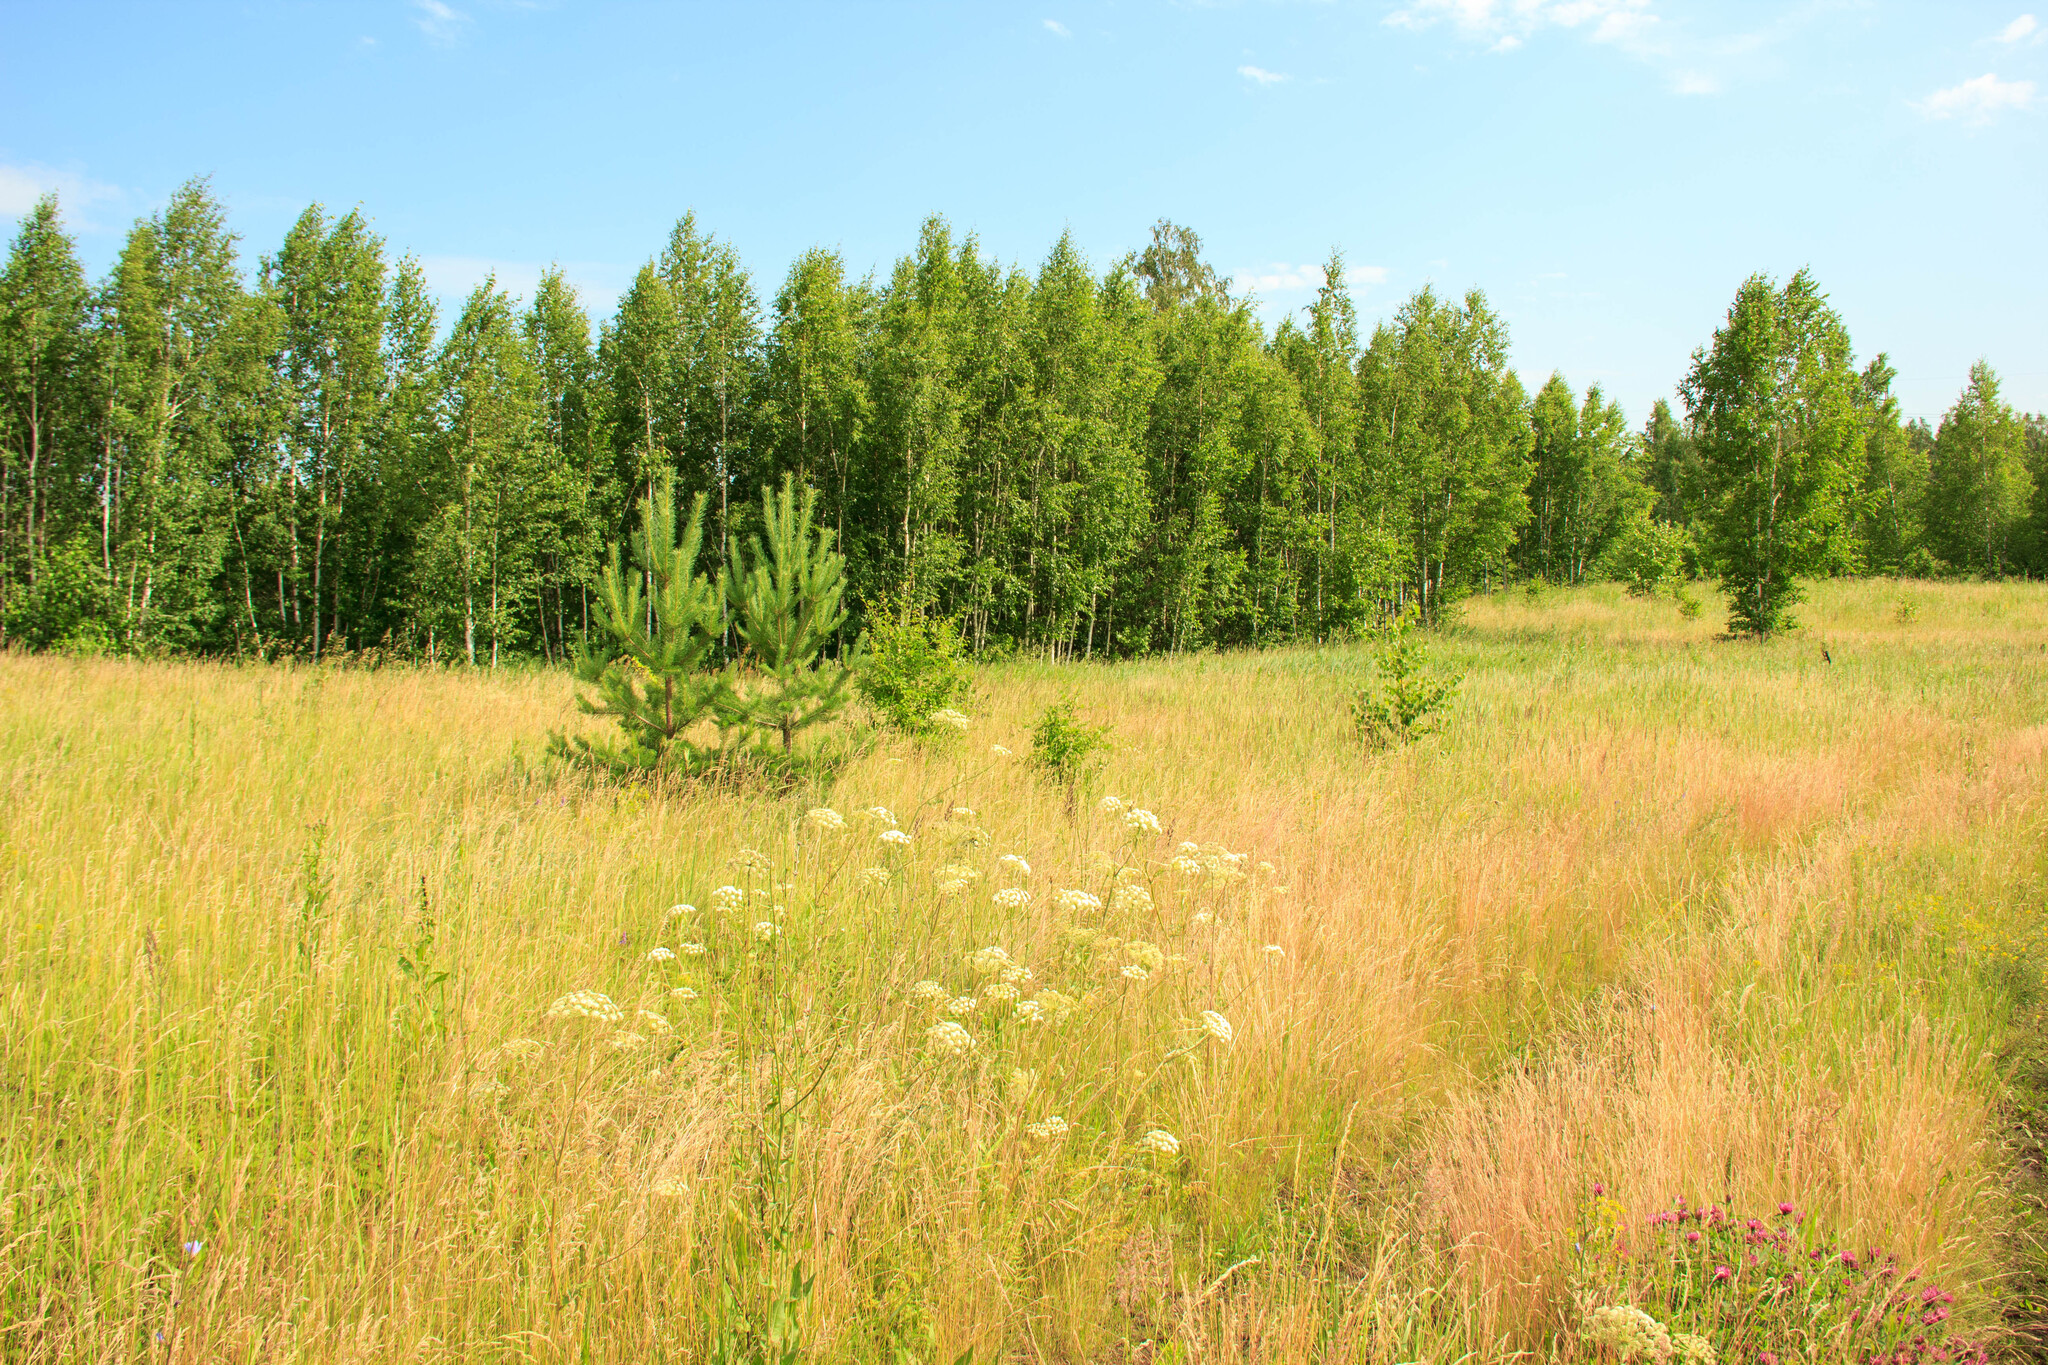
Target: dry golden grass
x: 1687, y: 916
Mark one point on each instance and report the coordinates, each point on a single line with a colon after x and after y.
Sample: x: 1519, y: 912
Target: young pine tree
x: 649, y: 662
x: 786, y: 592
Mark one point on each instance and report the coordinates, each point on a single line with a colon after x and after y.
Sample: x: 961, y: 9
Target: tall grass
x: 1684, y: 916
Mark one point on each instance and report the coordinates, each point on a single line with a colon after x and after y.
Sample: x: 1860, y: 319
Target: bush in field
x: 788, y: 602
x: 66, y: 608
x: 915, y: 669
x: 1406, y: 700
x: 1066, y: 748
x: 1646, y: 554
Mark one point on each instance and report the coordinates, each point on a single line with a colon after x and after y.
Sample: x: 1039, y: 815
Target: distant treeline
x: 1070, y: 463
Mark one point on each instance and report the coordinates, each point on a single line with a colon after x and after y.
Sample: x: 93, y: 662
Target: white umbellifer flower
x: 999, y: 990
x: 624, y: 1041
x: 656, y: 1024
x: 1274, y: 951
x: 1689, y: 1349
x: 1056, y: 1007
x: 586, y: 1005
x: 669, y: 1187
x: 489, y: 1090
x: 927, y: 990
x: 1139, y: 821
x: 948, y: 1039
x: 824, y: 818
x: 1133, y: 972
x: 1076, y: 902
x: 952, y: 879
x: 1265, y: 868
x: 875, y: 876
x: 728, y: 898
x: 525, y: 1049
x: 690, y: 949
x: 683, y: 993
x: 1627, y: 1331
x: 678, y: 911
x: 1161, y: 1142
x: 1022, y: 1083
x: 1204, y: 917
x: 1015, y: 864
x: 999, y: 751
x: 963, y: 1004
x: 660, y: 955
x: 1017, y: 974
x: 1132, y: 897
x: 1051, y: 1128
x: 963, y: 812
x: 949, y: 718
x: 1110, y: 805
x: 1187, y: 846
x: 1013, y: 898
x: 750, y: 858
x: 988, y: 961
x: 1146, y: 955
x: 766, y: 930
x: 895, y: 836
x: 1186, y: 866
x: 1030, y: 1011
x: 1216, y: 1026
x: 880, y: 813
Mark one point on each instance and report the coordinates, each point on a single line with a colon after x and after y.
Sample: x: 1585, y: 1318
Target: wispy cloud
x: 1258, y: 75
x: 2019, y: 30
x: 440, y: 22
x: 1281, y: 278
x: 21, y: 186
x: 1058, y: 29
x: 1978, y: 100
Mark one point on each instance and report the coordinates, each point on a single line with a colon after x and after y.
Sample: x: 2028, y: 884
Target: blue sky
x: 1607, y: 170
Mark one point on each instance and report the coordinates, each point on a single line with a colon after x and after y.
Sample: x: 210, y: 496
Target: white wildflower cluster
x: 1216, y: 1026
x: 690, y: 949
x: 1139, y: 821
x: 949, y: 1039
x: 728, y: 898
x: 1205, y: 917
x: 1130, y: 894
x: 1012, y: 898
x: 1021, y: 1085
x: 683, y: 993
x: 1265, y: 868
x: 668, y: 1187
x: 1013, y: 863
x: 489, y: 1090
x: 626, y: 1041
x: 1187, y: 865
x: 1051, y: 1128
x: 874, y: 876
x: 766, y: 929
x: 656, y: 1024
x: 752, y: 859
x: 895, y: 837
x: 660, y: 955
x: 678, y: 911
x: 999, y: 751
x: 988, y: 961
x: 586, y: 1005
x: 824, y: 819
x: 1077, y: 902
x: 1017, y: 974
x: 1030, y: 1012
x: 882, y: 814
x: 968, y: 836
x: 1110, y: 805
x: 963, y: 812
x: 1274, y: 952
x: 948, y: 717
x: 1003, y: 991
x: 1054, y: 1007
x: 1150, y: 956
x: 927, y: 991
x: 1159, y: 1142
x: 953, y: 878
x: 1133, y: 972
x: 1690, y: 1349
x: 1627, y: 1331
x: 962, y: 1005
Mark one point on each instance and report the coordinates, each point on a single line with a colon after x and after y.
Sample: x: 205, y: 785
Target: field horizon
x: 340, y: 1024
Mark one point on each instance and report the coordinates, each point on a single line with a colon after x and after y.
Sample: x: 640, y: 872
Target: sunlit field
x: 1349, y: 1057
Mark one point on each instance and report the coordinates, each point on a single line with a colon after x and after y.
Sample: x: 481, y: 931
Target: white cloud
x: 1978, y: 100
x: 440, y: 22
x: 1281, y: 278
x: 1262, y: 76
x: 21, y: 186
x: 2023, y: 27
x: 1695, y: 83
x: 1058, y: 29
x: 1506, y: 24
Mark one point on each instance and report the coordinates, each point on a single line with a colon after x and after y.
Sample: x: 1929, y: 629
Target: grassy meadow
x: 1658, y: 912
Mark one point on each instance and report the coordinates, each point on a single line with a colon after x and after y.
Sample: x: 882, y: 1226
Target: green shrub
x: 1067, y: 749
x: 1645, y: 555
x: 915, y: 670
x: 66, y: 608
x: 1406, y: 700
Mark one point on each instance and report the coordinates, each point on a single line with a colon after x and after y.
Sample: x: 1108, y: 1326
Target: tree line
x: 302, y: 459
